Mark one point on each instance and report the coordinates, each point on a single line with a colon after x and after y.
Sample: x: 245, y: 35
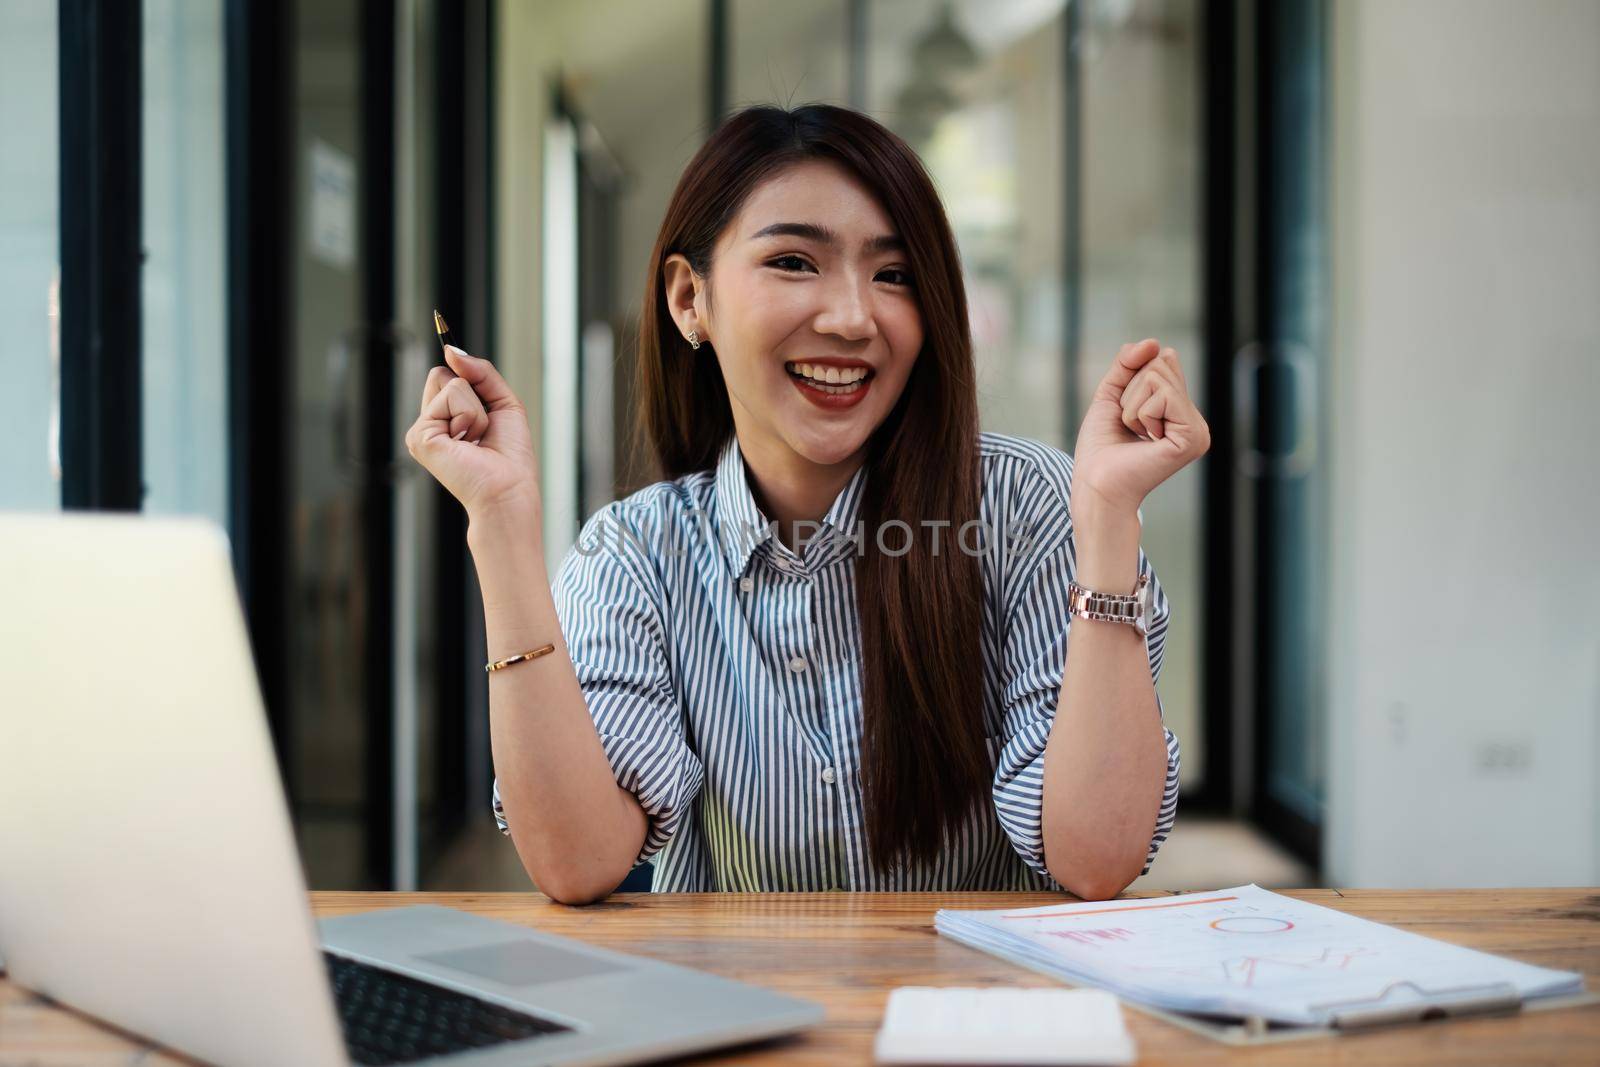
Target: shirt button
x: 828, y: 775
x: 797, y: 664
x: 747, y: 584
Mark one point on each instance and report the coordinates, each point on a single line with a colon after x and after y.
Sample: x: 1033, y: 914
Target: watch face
x: 1147, y: 601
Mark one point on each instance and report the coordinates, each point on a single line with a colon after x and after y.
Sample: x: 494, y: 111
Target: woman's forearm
x: 576, y: 830
x: 1105, y: 764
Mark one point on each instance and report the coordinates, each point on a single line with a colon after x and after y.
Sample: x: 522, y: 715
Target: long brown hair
x: 925, y: 764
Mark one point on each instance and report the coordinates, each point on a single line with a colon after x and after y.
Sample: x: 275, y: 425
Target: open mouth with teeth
x: 835, y: 380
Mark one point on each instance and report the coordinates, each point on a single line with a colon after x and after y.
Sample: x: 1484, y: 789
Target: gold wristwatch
x: 1136, y: 610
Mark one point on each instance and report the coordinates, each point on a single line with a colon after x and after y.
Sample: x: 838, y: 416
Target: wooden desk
x: 847, y: 950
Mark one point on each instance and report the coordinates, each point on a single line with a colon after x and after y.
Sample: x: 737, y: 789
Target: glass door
x: 1281, y: 379
x: 363, y: 605
x: 30, y: 454
x: 244, y: 200
x: 390, y: 220
x: 336, y: 627
x: 1138, y: 161
x: 1065, y: 139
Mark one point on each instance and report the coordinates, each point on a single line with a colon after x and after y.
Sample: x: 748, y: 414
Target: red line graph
x: 1242, y: 970
x: 1333, y: 958
x: 1130, y: 907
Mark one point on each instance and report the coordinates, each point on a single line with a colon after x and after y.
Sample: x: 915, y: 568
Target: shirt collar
x: 841, y: 516
x: 742, y: 527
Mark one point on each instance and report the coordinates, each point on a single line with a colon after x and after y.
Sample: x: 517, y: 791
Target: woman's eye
x: 796, y: 265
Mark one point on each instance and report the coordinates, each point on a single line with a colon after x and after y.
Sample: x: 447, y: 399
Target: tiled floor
x: 1201, y: 854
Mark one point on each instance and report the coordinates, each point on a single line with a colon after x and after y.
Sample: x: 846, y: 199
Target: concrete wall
x: 1464, y: 653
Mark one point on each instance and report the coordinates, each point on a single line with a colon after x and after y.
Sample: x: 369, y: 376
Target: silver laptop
x: 148, y: 873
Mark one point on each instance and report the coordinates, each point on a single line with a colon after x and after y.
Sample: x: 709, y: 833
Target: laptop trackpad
x: 521, y: 963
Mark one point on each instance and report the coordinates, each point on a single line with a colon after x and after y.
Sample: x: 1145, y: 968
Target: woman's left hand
x: 1141, y: 428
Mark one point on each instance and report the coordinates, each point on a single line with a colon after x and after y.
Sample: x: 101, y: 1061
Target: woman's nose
x: 848, y: 311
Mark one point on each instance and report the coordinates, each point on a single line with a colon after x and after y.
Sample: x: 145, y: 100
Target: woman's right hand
x: 473, y: 436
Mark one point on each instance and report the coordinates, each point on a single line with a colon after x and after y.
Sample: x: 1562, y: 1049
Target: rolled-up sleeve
x: 1033, y: 660
x: 612, y: 615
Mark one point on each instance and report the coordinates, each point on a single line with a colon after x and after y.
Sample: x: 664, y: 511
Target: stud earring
x: 694, y: 339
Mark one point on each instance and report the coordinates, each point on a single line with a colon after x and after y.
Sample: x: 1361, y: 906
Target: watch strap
x: 1109, y: 607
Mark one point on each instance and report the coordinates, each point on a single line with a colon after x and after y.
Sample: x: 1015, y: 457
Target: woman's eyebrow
x: 811, y: 231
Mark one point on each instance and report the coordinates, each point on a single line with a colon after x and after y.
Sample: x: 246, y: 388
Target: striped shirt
x: 720, y: 669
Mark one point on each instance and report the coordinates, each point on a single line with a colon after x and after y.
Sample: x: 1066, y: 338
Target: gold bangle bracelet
x: 501, y: 664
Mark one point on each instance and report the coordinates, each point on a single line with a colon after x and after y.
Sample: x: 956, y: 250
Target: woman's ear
x: 683, y: 289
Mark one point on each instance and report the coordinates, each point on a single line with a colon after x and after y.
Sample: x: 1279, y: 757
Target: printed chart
x: 1247, y: 951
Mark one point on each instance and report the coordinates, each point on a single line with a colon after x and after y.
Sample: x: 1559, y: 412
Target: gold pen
x: 447, y: 339
x: 443, y: 329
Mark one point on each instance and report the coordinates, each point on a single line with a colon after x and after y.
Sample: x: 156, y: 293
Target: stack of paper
x: 1247, y: 952
x: 1059, y: 1027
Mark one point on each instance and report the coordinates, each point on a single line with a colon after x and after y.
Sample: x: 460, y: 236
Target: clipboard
x: 1400, y: 1004
x: 1392, y: 1008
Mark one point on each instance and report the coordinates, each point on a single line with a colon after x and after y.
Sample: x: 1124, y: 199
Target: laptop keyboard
x: 392, y: 1018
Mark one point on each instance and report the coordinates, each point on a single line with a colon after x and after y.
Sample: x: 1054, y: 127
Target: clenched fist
x: 473, y: 436
x: 1141, y: 428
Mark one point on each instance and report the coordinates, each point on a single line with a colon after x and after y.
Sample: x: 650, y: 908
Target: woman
x: 827, y: 650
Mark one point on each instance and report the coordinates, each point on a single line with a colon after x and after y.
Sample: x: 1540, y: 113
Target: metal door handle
x: 1302, y: 365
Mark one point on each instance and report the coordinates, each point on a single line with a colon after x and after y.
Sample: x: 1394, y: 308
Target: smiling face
x: 811, y: 313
